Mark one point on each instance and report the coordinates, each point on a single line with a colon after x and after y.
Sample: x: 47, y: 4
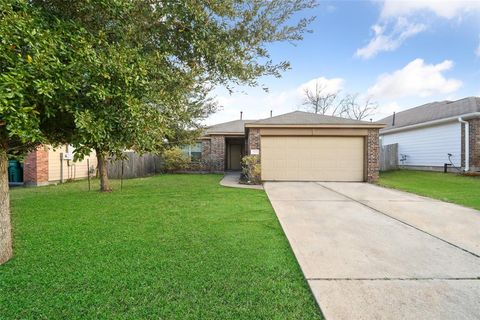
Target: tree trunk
x: 5, y: 224
x: 103, y: 171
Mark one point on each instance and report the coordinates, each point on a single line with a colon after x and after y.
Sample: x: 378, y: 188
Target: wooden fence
x: 389, y: 157
x: 135, y: 166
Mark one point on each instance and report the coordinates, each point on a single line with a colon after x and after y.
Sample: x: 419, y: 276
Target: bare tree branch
x: 321, y: 99
x: 358, y: 110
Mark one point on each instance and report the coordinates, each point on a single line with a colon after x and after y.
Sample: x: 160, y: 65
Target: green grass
x: 447, y: 187
x: 166, y: 247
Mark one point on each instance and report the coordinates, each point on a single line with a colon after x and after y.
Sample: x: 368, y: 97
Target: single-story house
x: 48, y: 165
x: 434, y: 134
x: 297, y: 146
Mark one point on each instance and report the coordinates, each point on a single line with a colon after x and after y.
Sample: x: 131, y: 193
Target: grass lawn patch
x: 166, y: 247
x: 443, y: 186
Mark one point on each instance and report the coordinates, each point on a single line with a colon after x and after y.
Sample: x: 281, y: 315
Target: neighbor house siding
x: 71, y: 169
x: 428, y: 146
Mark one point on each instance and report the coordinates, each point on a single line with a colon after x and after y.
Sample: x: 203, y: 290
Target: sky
x: 398, y: 53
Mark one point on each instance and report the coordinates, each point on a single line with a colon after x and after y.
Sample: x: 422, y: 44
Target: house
x: 297, y: 146
x: 48, y: 165
x: 435, y: 134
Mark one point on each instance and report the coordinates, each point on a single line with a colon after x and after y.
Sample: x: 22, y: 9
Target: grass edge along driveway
x: 166, y: 247
x: 449, y: 187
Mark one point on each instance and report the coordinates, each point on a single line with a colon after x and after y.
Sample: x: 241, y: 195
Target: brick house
x: 299, y: 146
x: 432, y: 135
x: 48, y: 165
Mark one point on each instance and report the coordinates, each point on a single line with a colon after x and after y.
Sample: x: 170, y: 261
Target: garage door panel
x: 313, y: 158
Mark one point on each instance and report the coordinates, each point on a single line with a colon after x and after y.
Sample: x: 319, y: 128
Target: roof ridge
x: 433, y: 103
x: 436, y: 110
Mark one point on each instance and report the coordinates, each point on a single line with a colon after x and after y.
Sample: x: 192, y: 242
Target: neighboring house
x: 428, y: 134
x: 48, y: 165
x: 297, y: 146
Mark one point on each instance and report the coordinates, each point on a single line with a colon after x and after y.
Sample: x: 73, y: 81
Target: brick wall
x: 474, y: 137
x: 462, y: 145
x: 217, y: 153
x: 373, y: 164
x: 253, y: 139
x: 35, y: 167
x: 205, y: 149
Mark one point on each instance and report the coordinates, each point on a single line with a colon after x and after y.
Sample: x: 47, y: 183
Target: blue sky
x: 399, y: 53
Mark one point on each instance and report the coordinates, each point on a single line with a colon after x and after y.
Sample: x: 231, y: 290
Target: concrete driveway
x: 374, y: 253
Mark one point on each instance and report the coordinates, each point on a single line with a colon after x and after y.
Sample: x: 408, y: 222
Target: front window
x: 194, y: 151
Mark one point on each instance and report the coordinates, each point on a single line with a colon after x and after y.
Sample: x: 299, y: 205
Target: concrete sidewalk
x: 232, y: 179
x: 375, y: 253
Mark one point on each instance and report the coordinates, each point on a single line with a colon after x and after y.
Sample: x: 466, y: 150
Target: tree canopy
x: 111, y: 75
x: 156, y: 62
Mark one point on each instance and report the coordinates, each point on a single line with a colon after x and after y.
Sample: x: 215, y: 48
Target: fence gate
x: 389, y: 157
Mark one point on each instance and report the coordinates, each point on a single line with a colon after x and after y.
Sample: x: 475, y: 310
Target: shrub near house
x: 251, y: 169
x: 175, y: 160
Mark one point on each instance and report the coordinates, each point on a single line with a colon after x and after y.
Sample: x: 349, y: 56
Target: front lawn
x: 444, y: 186
x: 166, y: 247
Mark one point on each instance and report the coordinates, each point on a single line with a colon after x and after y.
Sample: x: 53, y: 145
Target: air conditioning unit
x: 66, y: 156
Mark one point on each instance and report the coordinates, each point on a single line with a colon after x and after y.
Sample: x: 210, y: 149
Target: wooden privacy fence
x: 389, y: 157
x: 135, y: 166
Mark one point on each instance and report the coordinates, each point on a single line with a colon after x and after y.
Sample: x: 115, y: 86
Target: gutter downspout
x: 467, y: 144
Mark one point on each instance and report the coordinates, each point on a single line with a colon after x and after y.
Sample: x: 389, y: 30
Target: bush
x: 251, y: 169
x: 175, y: 160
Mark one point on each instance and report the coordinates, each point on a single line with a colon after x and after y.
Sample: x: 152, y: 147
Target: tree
x: 358, y: 110
x: 38, y: 74
x: 322, y: 100
x: 178, y: 49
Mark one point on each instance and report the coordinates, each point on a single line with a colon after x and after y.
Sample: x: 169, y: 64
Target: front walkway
x: 373, y: 253
x: 231, y: 179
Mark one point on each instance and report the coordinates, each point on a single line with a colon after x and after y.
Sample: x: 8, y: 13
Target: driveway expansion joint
x: 362, y: 202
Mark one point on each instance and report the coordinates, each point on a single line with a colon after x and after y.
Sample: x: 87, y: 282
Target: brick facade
x: 36, y: 167
x: 474, y: 143
x: 373, y: 150
x: 253, y: 140
x: 474, y: 137
x: 217, y: 153
x: 462, y: 145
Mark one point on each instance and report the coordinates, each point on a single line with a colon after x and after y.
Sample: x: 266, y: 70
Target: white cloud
x: 328, y: 85
x: 400, y: 20
x: 448, y: 9
x: 256, y: 104
x: 387, y: 109
x: 389, y: 41
x: 416, y: 79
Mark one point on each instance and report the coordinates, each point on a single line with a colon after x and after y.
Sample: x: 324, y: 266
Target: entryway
x: 235, y: 151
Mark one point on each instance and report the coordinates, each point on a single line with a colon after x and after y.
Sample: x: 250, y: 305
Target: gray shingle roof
x: 432, y: 111
x: 306, y: 118
x: 231, y: 127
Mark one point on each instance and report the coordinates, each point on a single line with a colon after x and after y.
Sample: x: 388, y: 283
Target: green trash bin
x: 15, y: 172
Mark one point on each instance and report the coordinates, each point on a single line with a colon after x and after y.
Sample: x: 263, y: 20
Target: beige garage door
x: 312, y: 158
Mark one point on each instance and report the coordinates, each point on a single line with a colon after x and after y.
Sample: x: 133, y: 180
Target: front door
x: 234, y: 157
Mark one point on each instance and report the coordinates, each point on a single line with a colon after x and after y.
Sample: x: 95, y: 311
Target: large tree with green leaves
x: 115, y: 74
x: 154, y: 56
x: 39, y: 77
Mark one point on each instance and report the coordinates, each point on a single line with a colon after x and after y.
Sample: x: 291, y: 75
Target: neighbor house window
x: 194, y: 151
